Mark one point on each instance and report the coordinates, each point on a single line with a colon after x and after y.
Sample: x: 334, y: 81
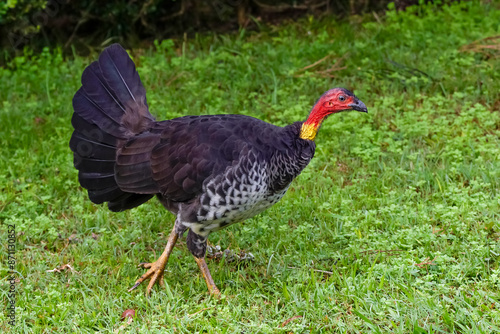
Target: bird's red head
x: 333, y: 101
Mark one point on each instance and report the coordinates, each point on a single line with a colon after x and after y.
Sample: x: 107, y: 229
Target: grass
x: 394, y: 226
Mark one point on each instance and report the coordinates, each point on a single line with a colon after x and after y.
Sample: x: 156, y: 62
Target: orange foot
x: 157, y: 268
x: 155, y: 274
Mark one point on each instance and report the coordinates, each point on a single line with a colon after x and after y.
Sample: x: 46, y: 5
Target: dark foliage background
x: 89, y: 24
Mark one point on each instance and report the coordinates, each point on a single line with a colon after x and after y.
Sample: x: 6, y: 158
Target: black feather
x: 104, y: 195
x: 109, y: 109
x: 120, y: 73
x: 121, y: 76
x: 90, y: 132
x: 90, y: 165
x: 92, y: 113
x: 96, y: 181
x: 89, y: 148
x: 97, y: 89
x: 128, y: 202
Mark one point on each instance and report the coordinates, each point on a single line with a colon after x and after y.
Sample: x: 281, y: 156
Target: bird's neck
x: 311, y: 126
x: 290, y: 158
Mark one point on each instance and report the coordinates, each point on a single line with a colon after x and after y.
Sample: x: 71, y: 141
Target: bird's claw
x: 155, y: 274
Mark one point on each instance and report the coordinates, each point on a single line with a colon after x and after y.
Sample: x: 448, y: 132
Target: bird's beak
x: 359, y: 106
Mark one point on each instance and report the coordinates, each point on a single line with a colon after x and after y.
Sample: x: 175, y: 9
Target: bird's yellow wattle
x: 308, y: 131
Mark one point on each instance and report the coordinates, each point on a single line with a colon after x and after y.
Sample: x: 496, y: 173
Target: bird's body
x: 210, y: 171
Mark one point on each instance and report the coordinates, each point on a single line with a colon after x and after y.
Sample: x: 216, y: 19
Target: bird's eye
x: 342, y: 98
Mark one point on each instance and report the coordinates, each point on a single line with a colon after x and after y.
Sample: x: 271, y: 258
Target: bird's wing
x: 177, y: 157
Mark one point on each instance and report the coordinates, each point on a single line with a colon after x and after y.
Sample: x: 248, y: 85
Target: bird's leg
x: 197, y: 245
x: 157, y: 268
x: 212, y: 288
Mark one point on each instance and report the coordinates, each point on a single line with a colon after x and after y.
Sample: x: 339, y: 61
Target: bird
x: 210, y: 171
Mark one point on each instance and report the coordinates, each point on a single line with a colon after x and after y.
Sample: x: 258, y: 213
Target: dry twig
x: 426, y: 262
x: 489, y: 45
x: 291, y: 319
x: 173, y: 78
x: 62, y: 268
x: 324, y: 73
x: 203, y: 309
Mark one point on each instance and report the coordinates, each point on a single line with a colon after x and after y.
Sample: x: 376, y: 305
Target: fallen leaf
x: 129, y: 313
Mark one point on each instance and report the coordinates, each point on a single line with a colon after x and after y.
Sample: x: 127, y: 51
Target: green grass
x: 416, y: 180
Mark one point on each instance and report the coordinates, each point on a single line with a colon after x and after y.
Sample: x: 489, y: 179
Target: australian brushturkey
x: 210, y: 171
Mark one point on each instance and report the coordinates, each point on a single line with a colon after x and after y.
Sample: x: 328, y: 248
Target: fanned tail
x: 109, y: 109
